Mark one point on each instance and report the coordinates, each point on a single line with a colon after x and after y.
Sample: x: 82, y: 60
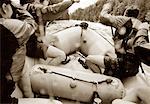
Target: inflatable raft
x: 38, y: 101
x: 76, y: 89
x: 75, y: 85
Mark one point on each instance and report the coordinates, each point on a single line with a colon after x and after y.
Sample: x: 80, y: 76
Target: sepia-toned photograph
x: 75, y: 52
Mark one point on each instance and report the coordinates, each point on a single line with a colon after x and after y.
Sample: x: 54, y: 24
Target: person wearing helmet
x: 130, y: 33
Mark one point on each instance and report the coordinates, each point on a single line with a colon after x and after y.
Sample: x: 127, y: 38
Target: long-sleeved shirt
x: 50, y: 12
x: 116, y: 21
x: 22, y: 27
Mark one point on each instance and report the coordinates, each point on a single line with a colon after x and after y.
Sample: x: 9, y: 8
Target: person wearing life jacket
x: 130, y: 33
x: 16, y: 26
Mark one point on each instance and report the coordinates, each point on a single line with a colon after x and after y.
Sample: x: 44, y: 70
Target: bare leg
x: 24, y: 83
x: 139, y: 94
x: 144, y: 94
x: 135, y: 96
x: 120, y: 101
x: 132, y: 96
x: 97, y: 59
x: 56, y: 54
x: 93, y: 60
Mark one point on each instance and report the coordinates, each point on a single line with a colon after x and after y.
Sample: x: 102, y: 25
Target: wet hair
x: 13, y: 8
x: 5, y: 1
x: 132, y: 11
x: 41, y: 0
x: 22, y: 2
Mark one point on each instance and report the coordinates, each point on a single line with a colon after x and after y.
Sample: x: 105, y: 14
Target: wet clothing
x: 128, y: 35
x: 14, y: 35
x: 22, y: 31
x: 50, y: 12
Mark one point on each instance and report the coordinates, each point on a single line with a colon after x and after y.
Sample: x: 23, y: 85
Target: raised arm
x: 105, y: 17
x: 56, y: 8
x: 111, y: 20
x: 50, y: 12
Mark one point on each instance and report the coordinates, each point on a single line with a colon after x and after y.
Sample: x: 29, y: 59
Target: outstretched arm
x: 109, y: 19
x: 56, y: 8
x: 50, y: 12
x: 105, y: 17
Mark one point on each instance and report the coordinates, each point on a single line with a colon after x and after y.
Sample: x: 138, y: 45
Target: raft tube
x: 75, y: 85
